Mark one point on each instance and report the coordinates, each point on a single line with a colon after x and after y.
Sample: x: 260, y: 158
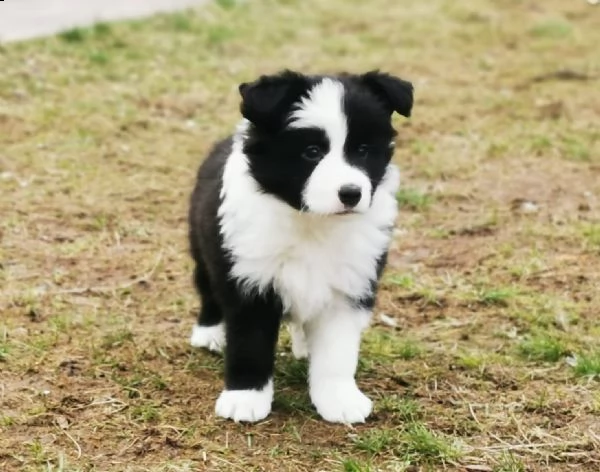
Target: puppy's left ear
x: 396, y: 94
x: 267, y: 101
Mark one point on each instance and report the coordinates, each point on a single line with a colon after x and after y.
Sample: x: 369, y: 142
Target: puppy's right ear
x: 267, y: 101
x: 396, y: 94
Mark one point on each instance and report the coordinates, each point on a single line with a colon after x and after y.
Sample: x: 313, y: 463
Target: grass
x: 552, y: 29
x: 496, y: 296
x: 75, y: 35
x: 591, y: 234
x: 414, y: 200
x: 405, y: 281
x: 376, y: 441
x: 543, y: 348
x: 404, y: 409
x: 385, y: 346
x: 588, y: 365
x: 4, y: 349
x: 509, y: 463
x: 116, y: 339
x: 488, y: 356
x: 145, y: 413
x: 421, y: 445
x: 413, y: 444
x: 353, y: 465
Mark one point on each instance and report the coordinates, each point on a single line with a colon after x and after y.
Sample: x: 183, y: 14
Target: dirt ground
x: 484, y: 354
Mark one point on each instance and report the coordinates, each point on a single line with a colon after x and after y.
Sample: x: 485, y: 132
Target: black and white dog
x: 291, y: 219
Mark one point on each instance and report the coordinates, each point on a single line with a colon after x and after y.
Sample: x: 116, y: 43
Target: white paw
x: 210, y: 337
x: 340, y: 401
x: 299, y: 346
x: 245, y: 405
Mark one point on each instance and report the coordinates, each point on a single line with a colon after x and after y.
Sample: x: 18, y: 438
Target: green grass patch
x: 102, y: 30
x: 403, y: 409
x: 508, y: 462
x: 292, y: 372
x: 440, y: 233
x: 376, y: 441
x: 420, y: 445
x: 415, y: 443
x: 552, y: 29
x: 542, y: 347
x: 405, y: 281
x: 408, y: 350
x: 588, y: 364
x: 62, y: 322
x: 4, y: 351
x: 496, y: 296
x: 414, y: 200
x: 117, y: 338
x: 181, y: 22
x: 199, y: 362
x: 37, y: 451
x: 544, y: 312
x: 292, y: 401
x: 385, y: 346
x: 471, y: 360
x: 591, y: 236
x: 355, y: 465
x: 100, y: 58
x: 576, y: 148
x: 4, y: 345
x: 227, y: 4
x: 75, y: 35
x: 217, y: 35
x: 6, y: 421
x: 145, y: 413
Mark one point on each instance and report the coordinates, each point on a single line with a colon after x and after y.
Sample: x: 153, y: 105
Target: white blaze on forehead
x: 323, y: 108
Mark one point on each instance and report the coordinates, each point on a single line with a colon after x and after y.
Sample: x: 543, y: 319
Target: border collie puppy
x: 290, y: 220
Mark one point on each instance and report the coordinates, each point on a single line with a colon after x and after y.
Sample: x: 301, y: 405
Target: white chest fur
x: 312, y: 261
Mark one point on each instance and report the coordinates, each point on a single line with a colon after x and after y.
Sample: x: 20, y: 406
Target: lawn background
x: 492, y: 287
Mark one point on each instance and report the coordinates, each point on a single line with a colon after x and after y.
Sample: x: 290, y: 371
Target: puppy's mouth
x: 349, y: 211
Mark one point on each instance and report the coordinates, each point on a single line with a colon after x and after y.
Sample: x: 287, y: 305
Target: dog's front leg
x: 251, y: 332
x: 333, y: 345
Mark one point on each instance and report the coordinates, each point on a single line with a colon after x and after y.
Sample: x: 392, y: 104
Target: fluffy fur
x: 291, y: 217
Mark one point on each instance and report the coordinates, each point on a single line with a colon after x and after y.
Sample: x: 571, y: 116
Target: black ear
x: 396, y: 94
x: 268, y: 100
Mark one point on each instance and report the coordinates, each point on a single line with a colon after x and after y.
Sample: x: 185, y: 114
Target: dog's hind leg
x: 209, y: 332
x: 299, y: 346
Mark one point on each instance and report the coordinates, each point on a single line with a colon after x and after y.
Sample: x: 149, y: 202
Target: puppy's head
x: 322, y: 143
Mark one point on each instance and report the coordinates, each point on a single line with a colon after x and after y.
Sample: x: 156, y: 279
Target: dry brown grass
x: 493, y: 279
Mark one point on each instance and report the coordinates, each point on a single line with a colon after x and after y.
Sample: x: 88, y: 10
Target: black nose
x: 349, y: 195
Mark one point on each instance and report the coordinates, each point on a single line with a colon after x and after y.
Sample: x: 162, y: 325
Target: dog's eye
x: 363, y: 151
x: 312, y: 153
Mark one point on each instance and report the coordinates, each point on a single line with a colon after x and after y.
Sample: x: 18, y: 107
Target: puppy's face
x: 322, y: 144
